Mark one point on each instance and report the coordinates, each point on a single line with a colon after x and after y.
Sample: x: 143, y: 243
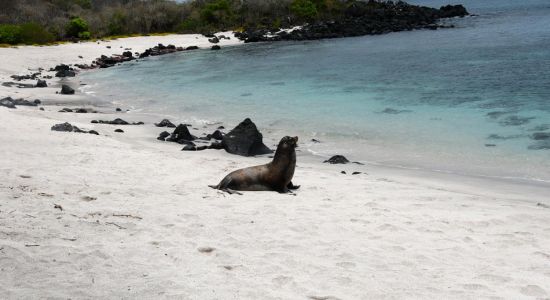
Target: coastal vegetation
x: 45, y: 21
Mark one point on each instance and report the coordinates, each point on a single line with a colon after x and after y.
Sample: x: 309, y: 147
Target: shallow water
x: 466, y: 100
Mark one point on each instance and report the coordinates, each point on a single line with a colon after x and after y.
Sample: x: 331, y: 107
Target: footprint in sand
x: 282, y: 280
x: 475, y: 287
x: 323, y: 298
x: 533, y: 291
x: 346, y: 265
x: 494, y: 278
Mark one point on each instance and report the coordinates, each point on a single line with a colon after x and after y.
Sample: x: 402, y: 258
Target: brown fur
x: 274, y: 176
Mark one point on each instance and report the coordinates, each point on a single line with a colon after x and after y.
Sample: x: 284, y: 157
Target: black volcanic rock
x: 165, y: 123
x: 65, y: 73
x: 7, y: 102
x: 245, y: 140
x: 67, y: 90
x: 216, y: 47
x: 217, y: 135
x: 337, y: 159
x: 163, y: 135
x: 41, y: 83
x: 181, y: 135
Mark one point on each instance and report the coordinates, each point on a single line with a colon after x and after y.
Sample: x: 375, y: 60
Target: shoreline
x: 81, y: 211
x: 83, y: 99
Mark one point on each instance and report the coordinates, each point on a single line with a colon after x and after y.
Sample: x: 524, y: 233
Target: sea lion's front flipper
x: 291, y: 186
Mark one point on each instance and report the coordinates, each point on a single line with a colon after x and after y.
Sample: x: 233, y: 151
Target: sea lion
x: 274, y: 176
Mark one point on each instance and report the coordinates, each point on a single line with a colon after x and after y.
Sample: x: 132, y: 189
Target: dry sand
x: 122, y: 215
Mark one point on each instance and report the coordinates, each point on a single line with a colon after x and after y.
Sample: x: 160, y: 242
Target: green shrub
x: 32, y: 33
x: 85, y: 35
x: 216, y: 12
x: 189, y: 25
x: 10, y: 34
x: 75, y: 27
x: 304, y: 9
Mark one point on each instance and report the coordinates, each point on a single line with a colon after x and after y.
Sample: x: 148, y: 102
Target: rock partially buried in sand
x: 217, y: 135
x: 119, y: 130
x: 216, y: 47
x: 41, y: 83
x: 116, y: 121
x: 163, y: 135
x: 67, y: 127
x: 7, y: 102
x: 67, y: 90
x: 165, y: 123
x: 245, y: 140
x: 181, y: 135
x: 337, y: 159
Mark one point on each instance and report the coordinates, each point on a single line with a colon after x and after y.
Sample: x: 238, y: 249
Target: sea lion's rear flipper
x: 231, y: 192
x: 291, y: 186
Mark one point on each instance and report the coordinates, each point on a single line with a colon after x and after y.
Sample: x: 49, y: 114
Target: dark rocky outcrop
x: 181, y: 135
x: 65, y: 73
x: 214, y: 40
x: 116, y: 121
x: 245, y: 140
x: 216, y: 47
x: 192, y: 48
x: 119, y: 130
x: 67, y: 90
x: 363, y: 18
x: 165, y: 123
x: 337, y: 159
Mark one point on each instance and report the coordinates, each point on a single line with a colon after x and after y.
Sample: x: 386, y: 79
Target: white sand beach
x: 124, y: 216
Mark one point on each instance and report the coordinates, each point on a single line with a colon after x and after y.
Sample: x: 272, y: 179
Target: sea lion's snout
x: 295, y: 139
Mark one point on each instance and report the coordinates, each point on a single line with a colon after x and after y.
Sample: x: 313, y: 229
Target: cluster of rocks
x: 63, y: 70
x: 77, y: 110
x: 363, y: 18
x: 32, y: 76
x: 67, y: 127
x: 9, y: 102
x: 116, y: 121
x: 245, y: 139
x: 39, y: 84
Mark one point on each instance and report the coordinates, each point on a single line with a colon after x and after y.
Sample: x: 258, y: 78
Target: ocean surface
x: 468, y: 100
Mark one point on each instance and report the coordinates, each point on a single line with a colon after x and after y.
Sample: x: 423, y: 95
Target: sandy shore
x: 122, y: 215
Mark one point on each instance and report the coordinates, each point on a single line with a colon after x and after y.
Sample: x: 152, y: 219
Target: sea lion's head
x: 287, y: 143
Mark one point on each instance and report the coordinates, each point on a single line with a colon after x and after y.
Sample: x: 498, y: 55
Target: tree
x: 76, y: 27
x: 304, y: 9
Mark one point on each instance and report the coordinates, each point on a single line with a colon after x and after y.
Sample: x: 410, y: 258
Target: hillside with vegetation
x: 46, y: 21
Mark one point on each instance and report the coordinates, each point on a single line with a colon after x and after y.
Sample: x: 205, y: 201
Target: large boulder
x: 245, y: 140
x: 67, y: 90
x: 181, y: 135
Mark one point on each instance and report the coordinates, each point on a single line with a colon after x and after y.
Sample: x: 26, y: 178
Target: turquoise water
x: 463, y: 100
